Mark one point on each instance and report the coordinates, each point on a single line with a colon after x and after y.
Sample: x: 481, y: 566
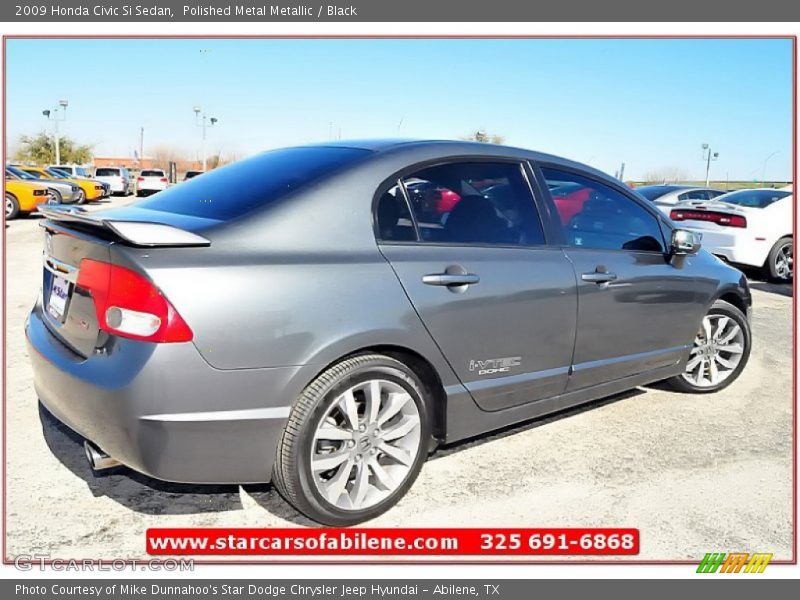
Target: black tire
x: 292, y: 471
x: 771, y: 269
x: 720, y: 307
x: 12, y: 207
x: 57, y: 197
x: 81, y: 197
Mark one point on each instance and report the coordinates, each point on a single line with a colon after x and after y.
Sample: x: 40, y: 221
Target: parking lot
x: 694, y: 473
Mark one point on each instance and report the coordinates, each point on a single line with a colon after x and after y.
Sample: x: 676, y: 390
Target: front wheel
x: 12, y: 207
x: 355, y: 441
x: 81, y: 197
x: 719, y: 353
x: 780, y: 262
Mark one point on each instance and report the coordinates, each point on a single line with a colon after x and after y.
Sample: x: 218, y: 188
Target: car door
x: 638, y: 310
x: 472, y: 257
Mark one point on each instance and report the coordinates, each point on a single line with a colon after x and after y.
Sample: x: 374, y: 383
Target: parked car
x: 68, y: 174
x: 73, y: 170
x: 90, y: 190
x: 192, y: 174
x: 151, y: 181
x: 317, y: 334
x: 667, y: 196
x: 23, y: 197
x: 117, y: 178
x: 62, y: 191
x: 752, y: 228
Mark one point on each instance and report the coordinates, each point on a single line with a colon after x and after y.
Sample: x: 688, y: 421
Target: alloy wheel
x: 784, y: 261
x: 717, y: 351
x: 9, y: 206
x: 365, y: 445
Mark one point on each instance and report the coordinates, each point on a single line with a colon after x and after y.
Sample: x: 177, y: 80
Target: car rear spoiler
x: 136, y: 233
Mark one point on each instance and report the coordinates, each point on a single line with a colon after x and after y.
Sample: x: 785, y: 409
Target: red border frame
x: 433, y: 560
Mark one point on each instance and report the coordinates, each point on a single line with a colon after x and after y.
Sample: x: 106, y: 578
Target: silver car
x: 299, y: 317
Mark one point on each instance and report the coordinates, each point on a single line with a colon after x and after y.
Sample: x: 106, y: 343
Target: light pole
x: 764, y: 169
x: 203, y: 121
x: 708, y: 156
x: 52, y: 115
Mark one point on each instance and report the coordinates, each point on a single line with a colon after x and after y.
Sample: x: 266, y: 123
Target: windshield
x: 752, y: 198
x: 152, y: 173
x: 57, y: 174
x: 243, y: 186
x: 106, y: 172
x: 20, y: 173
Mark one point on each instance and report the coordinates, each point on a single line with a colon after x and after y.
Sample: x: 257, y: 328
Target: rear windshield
x: 106, y: 172
x: 152, y: 173
x: 752, y: 198
x: 236, y: 189
x: 651, y: 192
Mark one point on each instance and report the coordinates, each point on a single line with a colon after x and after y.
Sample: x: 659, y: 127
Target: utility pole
x: 764, y: 169
x: 204, y: 122
x: 708, y: 156
x: 52, y: 115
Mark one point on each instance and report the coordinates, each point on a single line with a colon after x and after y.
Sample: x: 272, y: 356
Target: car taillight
x: 140, y: 179
x: 129, y: 305
x: 724, y: 219
x: 40, y: 192
x: 163, y: 180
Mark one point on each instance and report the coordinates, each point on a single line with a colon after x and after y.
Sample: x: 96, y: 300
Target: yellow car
x: 22, y: 197
x: 92, y: 189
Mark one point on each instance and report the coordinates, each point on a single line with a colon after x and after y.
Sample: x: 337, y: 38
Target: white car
x: 119, y: 178
x: 151, y: 181
x: 668, y: 195
x: 747, y: 227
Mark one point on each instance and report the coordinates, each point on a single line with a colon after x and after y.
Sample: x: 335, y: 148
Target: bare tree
x: 666, y: 175
x: 163, y: 155
x: 481, y: 136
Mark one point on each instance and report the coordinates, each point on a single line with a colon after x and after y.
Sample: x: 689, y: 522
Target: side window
x: 594, y: 215
x: 474, y: 203
x: 393, y: 219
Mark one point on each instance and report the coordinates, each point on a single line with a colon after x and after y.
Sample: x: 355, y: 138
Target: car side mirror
x: 685, y: 242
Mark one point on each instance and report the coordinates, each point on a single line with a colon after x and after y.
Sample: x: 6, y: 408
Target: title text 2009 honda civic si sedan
x: 296, y: 317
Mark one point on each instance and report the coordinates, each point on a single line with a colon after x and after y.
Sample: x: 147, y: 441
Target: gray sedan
x: 299, y: 317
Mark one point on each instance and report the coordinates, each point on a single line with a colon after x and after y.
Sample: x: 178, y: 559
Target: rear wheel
x: 355, y: 441
x: 780, y: 262
x: 12, y: 206
x: 719, y: 353
x: 55, y: 196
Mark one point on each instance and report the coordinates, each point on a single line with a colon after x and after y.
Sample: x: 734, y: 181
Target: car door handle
x: 599, y: 277
x: 448, y: 279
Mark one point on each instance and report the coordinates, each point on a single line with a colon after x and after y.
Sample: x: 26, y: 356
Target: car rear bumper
x: 161, y: 409
x: 739, y: 248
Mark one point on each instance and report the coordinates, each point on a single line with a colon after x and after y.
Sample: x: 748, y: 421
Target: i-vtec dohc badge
x: 490, y: 366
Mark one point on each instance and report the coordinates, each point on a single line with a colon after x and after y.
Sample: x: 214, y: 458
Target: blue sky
x: 649, y: 103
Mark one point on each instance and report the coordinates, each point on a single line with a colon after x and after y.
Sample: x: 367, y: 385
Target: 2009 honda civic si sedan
x: 300, y: 317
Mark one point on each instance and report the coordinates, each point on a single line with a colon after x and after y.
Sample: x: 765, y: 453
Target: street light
x: 708, y: 156
x: 203, y: 121
x: 52, y: 115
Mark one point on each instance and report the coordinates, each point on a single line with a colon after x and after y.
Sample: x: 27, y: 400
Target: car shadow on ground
x: 146, y: 495
x: 499, y: 434
x: 782, y: 289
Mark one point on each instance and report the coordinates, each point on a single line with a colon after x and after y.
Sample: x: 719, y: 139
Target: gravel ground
x: 694, y: 473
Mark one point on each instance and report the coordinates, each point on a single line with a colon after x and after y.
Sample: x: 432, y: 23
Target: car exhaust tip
x: 98, y: 460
